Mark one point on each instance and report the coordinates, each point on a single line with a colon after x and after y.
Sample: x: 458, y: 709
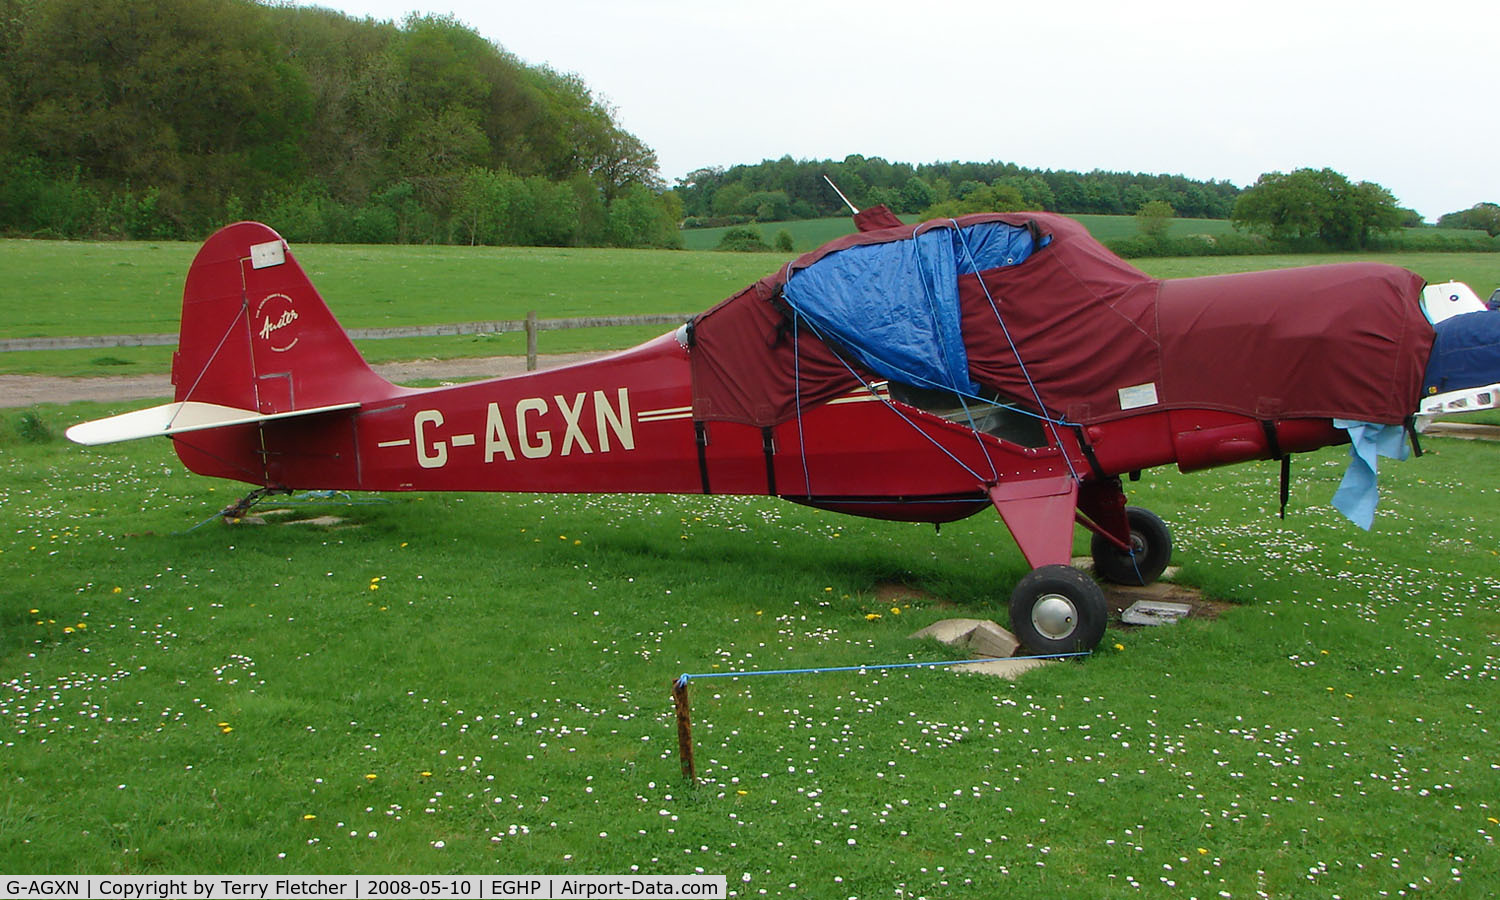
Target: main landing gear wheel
x: 1058, y: 609
x: 1151, y: 545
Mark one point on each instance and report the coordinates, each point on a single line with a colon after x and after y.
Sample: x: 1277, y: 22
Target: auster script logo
x: 276, y: 314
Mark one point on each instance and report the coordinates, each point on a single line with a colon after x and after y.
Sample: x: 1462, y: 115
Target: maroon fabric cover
x: 876, y: 217
x: 1342, y: 341
x: 1082, y: 319
x: 743, y: 365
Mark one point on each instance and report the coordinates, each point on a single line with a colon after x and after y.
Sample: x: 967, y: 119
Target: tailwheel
x: 1150, y: 545
x: 1058, y: 609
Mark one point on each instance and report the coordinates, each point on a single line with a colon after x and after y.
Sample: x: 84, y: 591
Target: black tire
x: 1058, y: 609
x: 1152, y: 542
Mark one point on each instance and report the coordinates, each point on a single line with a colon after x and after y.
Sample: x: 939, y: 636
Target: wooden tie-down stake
x: 684, y: 729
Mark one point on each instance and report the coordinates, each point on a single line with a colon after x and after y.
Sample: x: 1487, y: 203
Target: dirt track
x: 26, y: 390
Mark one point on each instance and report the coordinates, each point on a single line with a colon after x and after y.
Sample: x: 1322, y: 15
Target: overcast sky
x: 1401, y: 94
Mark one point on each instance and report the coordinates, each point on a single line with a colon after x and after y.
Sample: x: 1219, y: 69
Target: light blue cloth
x: 1357, y: 496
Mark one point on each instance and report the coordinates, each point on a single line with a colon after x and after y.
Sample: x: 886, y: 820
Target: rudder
x: 256, y: 335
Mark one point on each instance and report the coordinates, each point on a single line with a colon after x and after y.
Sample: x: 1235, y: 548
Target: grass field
x: 479, y: 684
x: 71, y: 288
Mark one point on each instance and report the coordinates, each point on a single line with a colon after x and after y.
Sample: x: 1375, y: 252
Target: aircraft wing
x: 176, y: 418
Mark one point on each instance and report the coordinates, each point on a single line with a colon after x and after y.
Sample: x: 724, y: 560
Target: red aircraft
x: 917, y: 373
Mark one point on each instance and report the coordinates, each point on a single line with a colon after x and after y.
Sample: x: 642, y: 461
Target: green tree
x: 1481, y: 216
x: 743, y: 238
x: 640, y: 217
x: 916, y: 195
x: 1316, y: 203
x: 985, y: 198
x: 190, y: 97
x: 1153, y: 218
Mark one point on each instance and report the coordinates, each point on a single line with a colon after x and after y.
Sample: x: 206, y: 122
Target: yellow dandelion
x: 1119, y: 646
x: 67, y: 629
x: 1349, y: 695
x: 828, y: 590
x: 374, y: 586
x: 403, y: 543
x: 115, y: 591
x: 370, y: 777
x: 742, y: 792
x: 562, y: 537
x: 1330, y: 689
x: 895, y: 610
x: 1323, y: 652
x: 35, y: 612
x: 223, y: 724
x: 226, y: 729
x: 576, y: 543
x: 1493, y: 820
x: 82, y: 626
x: 870, y: 617
x: 425, y: 774
x: 1202, y: 851
x: 308, y: 817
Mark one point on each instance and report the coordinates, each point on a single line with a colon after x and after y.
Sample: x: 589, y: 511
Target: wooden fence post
x: 531, y: 340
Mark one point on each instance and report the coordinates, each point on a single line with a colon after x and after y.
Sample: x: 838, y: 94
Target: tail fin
x: 258, y: 348
x: 256, y: 336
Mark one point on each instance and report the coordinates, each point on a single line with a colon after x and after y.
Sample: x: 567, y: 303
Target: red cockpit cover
x: 1089, y: 338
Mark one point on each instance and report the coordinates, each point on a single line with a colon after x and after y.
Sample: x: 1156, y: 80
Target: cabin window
x: 991, y: 413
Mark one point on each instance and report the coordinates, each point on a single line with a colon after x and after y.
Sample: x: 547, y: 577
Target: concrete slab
x: 1155, y: 612
x: 950, y: 631
x: 1009, y: 669
x: 984, y: 639
x: 989, y: 639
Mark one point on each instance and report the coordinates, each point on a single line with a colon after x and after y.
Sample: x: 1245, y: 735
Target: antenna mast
x: 852, y: 207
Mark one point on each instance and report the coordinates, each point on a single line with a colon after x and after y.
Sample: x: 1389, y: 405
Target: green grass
x: 807, y: 234
x: 1481, y: 271
x: 68, y: 288
x: 78, y: 288
x: 501, y: 665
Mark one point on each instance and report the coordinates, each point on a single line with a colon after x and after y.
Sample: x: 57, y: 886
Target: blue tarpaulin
x: 894, y: 305
x: 1465, y: 353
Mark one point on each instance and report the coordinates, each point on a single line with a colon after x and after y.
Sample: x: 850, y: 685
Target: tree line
x: 1306, y: 210
x: 777, y: 190
x: 164, y: 119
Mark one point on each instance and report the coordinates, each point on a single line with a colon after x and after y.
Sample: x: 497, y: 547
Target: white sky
x: 1399, y: 93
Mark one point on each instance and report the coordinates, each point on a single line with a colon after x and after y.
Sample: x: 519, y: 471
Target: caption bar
x: 456, y: 887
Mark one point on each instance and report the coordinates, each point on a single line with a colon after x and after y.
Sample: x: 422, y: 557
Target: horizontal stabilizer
x: 176, y: 418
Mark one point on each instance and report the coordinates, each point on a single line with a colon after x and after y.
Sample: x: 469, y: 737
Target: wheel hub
x: 1054, y: 616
